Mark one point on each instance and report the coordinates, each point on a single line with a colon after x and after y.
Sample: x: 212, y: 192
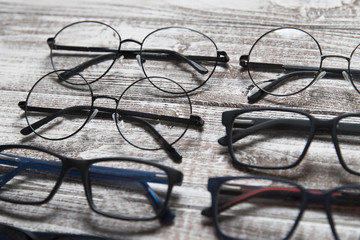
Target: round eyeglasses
x: 146, y: 117
x: 91, y: 48
x: 294, y: 63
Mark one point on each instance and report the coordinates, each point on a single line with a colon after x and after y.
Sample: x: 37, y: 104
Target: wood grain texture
x: 234, y: 26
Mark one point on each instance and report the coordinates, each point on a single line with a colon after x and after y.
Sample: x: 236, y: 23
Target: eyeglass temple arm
x: 147, y: 55
x: 130, y: 54
x: 99, y: 172
x: 155, y: 54
x: 253, y: 125
x: 283, y: 194
x: 244, y: 62
x: 254, y: 96
x: 194, y: 120
x: 299, y: 71
x: 174, y: 155
x: 108, y: 113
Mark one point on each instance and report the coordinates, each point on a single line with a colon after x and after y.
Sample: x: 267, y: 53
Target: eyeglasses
x: 117, y: 187
x: 293, y: 64
x: 8, y: 232
x: 182, y: 54
x: 56, y: 109
x: 271, y: 208
x: 278, y: 138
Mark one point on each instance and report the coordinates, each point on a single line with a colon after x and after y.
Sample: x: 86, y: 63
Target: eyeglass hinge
x: 244, y: 60
x: 222, y: 56
x: 50, y: 42
x: 196, y: 120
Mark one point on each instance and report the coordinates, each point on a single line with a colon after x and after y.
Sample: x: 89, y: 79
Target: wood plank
x: 234, y: 26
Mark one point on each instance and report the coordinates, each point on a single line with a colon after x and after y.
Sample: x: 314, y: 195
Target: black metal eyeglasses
x: 278, y: 138
x: 117, y: 187
x: 271, y: 208
x: 182, y: 54
x: 8, y: 232
x: 56, y: 109
x: 294, y: 63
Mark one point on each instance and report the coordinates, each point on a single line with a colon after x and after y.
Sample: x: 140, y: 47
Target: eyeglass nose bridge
x: 323, y: 124
x: 72, y: 167
x: 105, y: 97
x: 323, y: 57
x: 334, y: 71
x: 95, y: 112
x: 130, y: 40
x: 74, y: 164
x: 315, y: 197
x: 342, y: 71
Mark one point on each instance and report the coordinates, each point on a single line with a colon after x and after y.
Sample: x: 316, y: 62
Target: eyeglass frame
x: 132, y: 54
x: 193, y: 120
x: 165, y: 216
x: 329, y: 125
x: 307, y: 197
x: 320, y: 72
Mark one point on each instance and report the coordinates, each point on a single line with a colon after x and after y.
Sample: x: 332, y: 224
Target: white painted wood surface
x: 234, y: 26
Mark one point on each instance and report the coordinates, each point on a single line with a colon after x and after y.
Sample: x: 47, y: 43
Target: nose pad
x: 138, y: 59
x: 347, y: 77
x: 320, y: 76
x: 92, y: 116
x: 115, y: 116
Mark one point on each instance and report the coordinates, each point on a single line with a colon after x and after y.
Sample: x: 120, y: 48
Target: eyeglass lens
x: 86, y: 47
x: 191, y: 56
x: 345, y: 209
x: 142, y: 96
x: 28, y: 176
x: 128, y: 189
x: 291, y: 65
x: 247, y: 208
x: 269, y: 138
x: 348, y: 136
x: 59, y: 108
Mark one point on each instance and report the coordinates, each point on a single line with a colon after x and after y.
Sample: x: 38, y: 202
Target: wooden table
x: 234, y: 26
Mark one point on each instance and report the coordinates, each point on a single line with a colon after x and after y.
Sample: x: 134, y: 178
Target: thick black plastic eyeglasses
x: 255, y: 207
x: 294, y: 63
x: 8, y: 232
x: 117, y: 187
x: 91, y: 48
x: 56, y: 109
x: 278, y: 138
